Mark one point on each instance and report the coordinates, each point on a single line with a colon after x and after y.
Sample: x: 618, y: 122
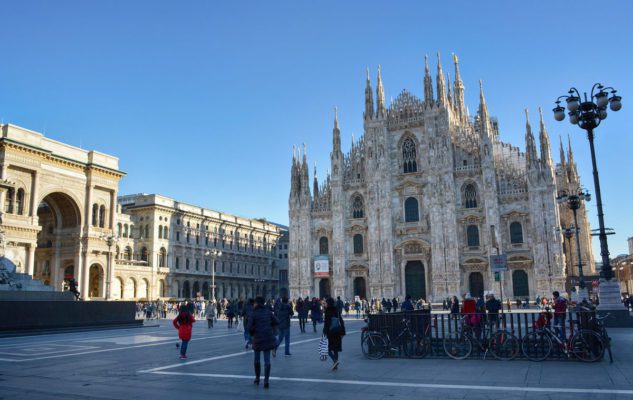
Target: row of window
x: 98, y: 215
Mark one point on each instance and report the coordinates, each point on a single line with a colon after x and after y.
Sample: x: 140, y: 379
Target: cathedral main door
x: 360, y: 288
x: 415, y: 281
x: 476, y: 284
x: 324, y: 288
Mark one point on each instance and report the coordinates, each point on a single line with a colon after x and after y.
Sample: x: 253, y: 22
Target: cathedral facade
x: 424, y: 198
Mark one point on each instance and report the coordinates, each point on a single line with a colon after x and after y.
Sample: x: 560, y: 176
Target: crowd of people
x: 265, y: 324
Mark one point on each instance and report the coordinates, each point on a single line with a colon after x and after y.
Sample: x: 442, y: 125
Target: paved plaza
x: 143, y: 363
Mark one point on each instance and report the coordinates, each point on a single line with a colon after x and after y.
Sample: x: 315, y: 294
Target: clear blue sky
x: 203, y: 100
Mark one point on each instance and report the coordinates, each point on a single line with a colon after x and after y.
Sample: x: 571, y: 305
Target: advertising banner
x: 321, y: 266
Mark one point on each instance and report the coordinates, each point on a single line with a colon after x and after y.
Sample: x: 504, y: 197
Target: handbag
x: 240, y: 325
x: 323, y: 348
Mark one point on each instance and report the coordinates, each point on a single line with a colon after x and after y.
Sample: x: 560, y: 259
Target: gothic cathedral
x: 424, y: 198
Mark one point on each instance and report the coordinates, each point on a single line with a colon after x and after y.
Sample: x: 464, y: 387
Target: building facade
x: 423, y: 199
x: 59, y: 204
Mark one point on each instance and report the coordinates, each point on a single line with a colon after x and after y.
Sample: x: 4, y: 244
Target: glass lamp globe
x: 559, y: 113
x: 572, y: 103
x: 602, y: 98
x: 615, y: 103
x: 573, y: 118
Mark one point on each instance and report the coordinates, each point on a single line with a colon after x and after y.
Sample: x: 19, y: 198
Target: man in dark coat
x: 260, y: 326
x: 334, y: 329
x: 247, y: 311
x: 283, y: 313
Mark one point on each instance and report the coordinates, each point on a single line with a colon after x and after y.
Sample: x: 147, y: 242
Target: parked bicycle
x: 502, y: 344
x: 376, y: 345
x: 602, y: 331
x: 585, y: 344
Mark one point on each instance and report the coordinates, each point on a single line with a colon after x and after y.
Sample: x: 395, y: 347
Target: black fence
x: 425, y: 324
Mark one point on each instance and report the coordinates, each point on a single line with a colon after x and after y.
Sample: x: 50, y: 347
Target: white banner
x: 321, y: 266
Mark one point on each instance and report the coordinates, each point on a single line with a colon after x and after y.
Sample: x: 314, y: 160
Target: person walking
x: 315, y: 313
x: 334, y: 329
x: 248, y: 313
x: 455, y: 307
x: 407, y: 305
x: 302, y: 313
x: 184, y: 323
x: 260, y: 326
x: 210, y: 315
x: 560, y: 311
x: 230, y: 312
x: 283, y: 314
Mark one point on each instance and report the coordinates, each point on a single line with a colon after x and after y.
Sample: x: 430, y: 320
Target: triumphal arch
x: 57, y: 203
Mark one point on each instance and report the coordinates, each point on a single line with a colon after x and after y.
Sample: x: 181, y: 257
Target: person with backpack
x: 283, y: 314
x: 261, y: 326
x: 334, y: 329
x: 315, y: 312
x: 184, y: 323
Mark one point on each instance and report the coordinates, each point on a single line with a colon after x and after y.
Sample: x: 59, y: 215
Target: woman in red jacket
x: 184, y: 322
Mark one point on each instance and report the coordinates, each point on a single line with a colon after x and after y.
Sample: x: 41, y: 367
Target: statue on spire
x: 380, y: 96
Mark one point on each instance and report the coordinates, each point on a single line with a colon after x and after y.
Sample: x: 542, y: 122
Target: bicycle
x: 375, y: 345
x: 585, y: 344
x: 503, y: 345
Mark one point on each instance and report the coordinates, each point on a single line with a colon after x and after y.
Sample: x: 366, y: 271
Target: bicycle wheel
x: 417, y: 347
x: 504, y: 346
x: 457, y: 345
x: 587, y: 345
x: 536, y: 346
x: 374, y: 346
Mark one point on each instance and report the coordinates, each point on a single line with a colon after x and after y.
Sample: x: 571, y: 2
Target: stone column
x: 113, y: 196
x: 34, y: 194
x: 30, y: 266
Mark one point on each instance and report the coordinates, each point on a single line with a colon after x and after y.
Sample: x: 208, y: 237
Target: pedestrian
x: 230, y: 313
x: 315, y: 313
x: 407, y: 305
x: 493, y: 306
x: 283, y: 314
x: 455, y: 307
x: 210, y: 315
x: 509, y: 304
x: 394, y: 304
x: 560, y: 309
x: 302, y: 313
x: 334, y: 329
x: 339, y: 304
x: 184, y: 323
x: 248, y: 313
x: 387, y: 305
x: 260, y: 326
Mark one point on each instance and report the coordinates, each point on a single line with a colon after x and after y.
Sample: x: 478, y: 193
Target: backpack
x: 335, y: 324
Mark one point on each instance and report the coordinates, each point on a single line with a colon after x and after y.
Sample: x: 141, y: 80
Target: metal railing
x: 437, y: 326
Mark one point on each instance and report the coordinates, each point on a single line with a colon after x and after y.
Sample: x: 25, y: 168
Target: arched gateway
x: 56, y: 203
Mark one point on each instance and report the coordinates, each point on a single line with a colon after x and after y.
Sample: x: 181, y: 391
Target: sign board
x: 497, y: 277
x: 499, y: 263
x: 321, y: 266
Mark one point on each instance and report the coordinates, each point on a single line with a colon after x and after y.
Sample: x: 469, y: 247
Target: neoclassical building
x: 424, y: 198
x: 173, y: 242
x: 59, y: 203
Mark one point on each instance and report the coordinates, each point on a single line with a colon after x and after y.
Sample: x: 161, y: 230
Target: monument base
x: 611, y: 303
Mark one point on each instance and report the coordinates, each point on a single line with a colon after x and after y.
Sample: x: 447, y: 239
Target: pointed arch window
x: 470, y: 196
x: 472, y: 236
x: 516, y: 233
x: 409, y: 156
x: 358, y: 208
x: 411, y: 210
x: 358, y: 244
x: 165, y: 233
x: 323, y: 246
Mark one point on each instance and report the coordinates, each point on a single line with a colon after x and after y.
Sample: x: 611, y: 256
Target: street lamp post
x: 574, y: 201
x: 588, y: 112
x: 110, y: 241
x: 215, y: 253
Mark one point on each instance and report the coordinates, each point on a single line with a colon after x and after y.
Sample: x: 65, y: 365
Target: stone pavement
x: 143, y: 363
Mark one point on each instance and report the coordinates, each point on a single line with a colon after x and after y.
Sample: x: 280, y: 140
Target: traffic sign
x: 499, y: 263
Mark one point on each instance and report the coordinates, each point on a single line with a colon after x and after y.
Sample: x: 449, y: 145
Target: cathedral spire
x: 571, y: 165
x: 530, y: 145
x: 441, y: 87
x: 449, y: 97
x: 458, y: 91
x: 428, y: 82
x: 546, y: 154
x: 369, y: 99
x: 336, y: 136
x: 293, y: 172
x: 316, y: 182
x: 563, y: 166
x: 380, y: 96
x: 483, y: 108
